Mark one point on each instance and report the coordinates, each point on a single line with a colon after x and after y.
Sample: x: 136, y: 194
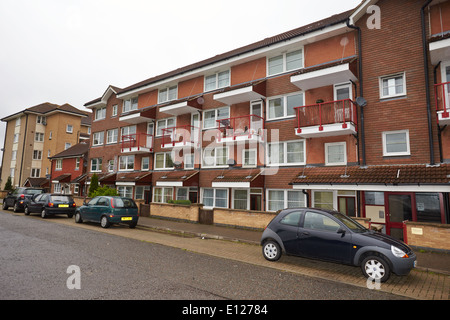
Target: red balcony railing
x: 137, y: 142
x: 332, y: 112
x: 180, y: 136
x: 442, y: 96
x: 248, y: 125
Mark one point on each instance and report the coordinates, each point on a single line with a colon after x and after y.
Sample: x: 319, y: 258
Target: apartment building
x: 37, y: 133
x: 347, y: 113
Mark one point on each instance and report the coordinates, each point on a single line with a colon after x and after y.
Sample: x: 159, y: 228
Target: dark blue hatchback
x: 332, y: 236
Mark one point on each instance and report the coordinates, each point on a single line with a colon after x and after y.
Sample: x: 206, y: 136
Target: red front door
x: 399, y: 207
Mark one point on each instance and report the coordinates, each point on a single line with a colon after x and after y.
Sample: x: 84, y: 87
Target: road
x: 35, y: 256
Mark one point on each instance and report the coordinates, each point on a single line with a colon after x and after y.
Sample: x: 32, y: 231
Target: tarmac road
x: 36, y: 254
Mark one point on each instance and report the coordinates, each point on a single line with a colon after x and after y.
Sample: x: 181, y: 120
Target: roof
x: 48, y: 108
x: 178, y: 175
x: 37, y: 182
x: 238, y: 175
x: 75, y: 151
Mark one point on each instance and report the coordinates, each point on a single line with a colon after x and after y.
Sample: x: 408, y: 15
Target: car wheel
x: 271, y: 250
x: 104, y: 222
x: 16, y: 207
x: 69, y: 215
x: 27, y: 211
x: 376, y: 268
x: 78, y: 217
x: 4, y: 206
x: 133, y: 225
x: 43, y: 213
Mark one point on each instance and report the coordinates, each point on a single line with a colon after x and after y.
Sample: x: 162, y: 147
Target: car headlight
x: 398, y: 252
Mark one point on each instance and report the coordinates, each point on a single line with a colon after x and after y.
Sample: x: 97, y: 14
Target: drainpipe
x: 360, y: 74
x: 427, y: 80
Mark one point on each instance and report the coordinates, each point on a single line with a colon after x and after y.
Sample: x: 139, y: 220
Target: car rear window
x: 61, y: 199
x: 124, y: 203
x: 34, y: 191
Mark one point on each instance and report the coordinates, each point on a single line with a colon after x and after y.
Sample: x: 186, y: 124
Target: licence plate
x: 126, y: 218
x: 63, y: 206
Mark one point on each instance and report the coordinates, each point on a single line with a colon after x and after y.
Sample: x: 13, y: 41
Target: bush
x: 94, y: 186
x: 185, y: 202
x: 8, y: 185
x: 104, y: 191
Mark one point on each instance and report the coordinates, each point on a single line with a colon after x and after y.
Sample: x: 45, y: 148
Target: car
x: 108, y: 210
x: 51, y: 203
x: 20, y: 197
x: 331, y: 236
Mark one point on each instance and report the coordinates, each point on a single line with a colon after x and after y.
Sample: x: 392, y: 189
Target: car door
x: 288, y: 229
x: 86, y: 210
x: 321, y: 237
x: 99, y: 209
x: 32, y: 205
x: 41, y: 203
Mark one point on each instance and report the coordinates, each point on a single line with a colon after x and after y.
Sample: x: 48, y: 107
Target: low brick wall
x: 243, y: 218
x: 175, y: 211
x: 428, y: 235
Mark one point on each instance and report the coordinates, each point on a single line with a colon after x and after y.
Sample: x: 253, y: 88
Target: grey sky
x: 69, y: 51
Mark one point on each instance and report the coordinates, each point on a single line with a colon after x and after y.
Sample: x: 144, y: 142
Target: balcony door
x: 445, y: 71
x: 150, y: 132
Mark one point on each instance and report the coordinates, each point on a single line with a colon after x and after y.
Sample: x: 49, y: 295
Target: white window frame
x: 233, y: 198
x: 57, y: 188
x: 39, y: 120
x: 392, y: 77
x: 35, y: 172
x: 125, y: 163
x: 124, y: 191
x: 98, y: 138
x: 127, y: 131
x: 214, y: 197
x: 98, y: 164
x: 16, y: 138
x: 285, y: 200
x: 167, y: 94
x: 284, y: 57
x: 391, y: 154
x: 182, y: 197
x: 37, y: 154
x: 216, y: 112
x: 112, y: 136
x: 189, y: 161
x: 216, y: 81
x: 69, y: 128
x: 100, y: 113
x: 59, y: 164
x: 250, y: 151
x: 115, y: 109
x: 164, y: 196
x: 165, y: 161
x: 130, y: 104
x: 67, y: 145
x: 284, y: 99
x: 145, y: 160
x: 77, y: 163
x: 141, y: 194
x: 39, y: 137
x: 162, y: 124
x: 207, y: 152
x: 285, y: 153
x: 327, y: 145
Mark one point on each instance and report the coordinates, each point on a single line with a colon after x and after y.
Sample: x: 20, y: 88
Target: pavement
x: 432, y: 261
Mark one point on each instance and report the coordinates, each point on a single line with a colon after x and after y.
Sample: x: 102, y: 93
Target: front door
x: 399, y: 208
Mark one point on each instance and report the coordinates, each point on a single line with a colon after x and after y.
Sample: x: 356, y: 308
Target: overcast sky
x: 69, y: 51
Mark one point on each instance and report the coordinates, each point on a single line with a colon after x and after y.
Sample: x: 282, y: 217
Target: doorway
x: 399, y: 207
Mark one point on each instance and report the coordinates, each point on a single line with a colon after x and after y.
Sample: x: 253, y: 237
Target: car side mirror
x: 342, y: 231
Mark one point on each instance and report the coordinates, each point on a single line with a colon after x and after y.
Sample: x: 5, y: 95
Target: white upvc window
x: 168, y: 94
x: 125, y: 191
x: 210, y: 117
x: 37, y: 155
x: 189, y: 161
x: 241, y: 199
x: 283, y: 106
x: 77, y: 163
x: 96, y: 164
x: 163, y: 160
x: 38, y: 137
x: 112, y: 136
x: 249, y: 158
x: 140, y: 192
x: 285, y: 62
x: 16, y: 138
x: 126, y: 163
x: 335, y: 153
x: 217, y: 80
x: 212, y: 197
x: 69, y: 128
x: 215, y: 157
x: 57, y: 188
x: 130, y: 105
x: 127, y: 131
x: 145, y: 163
x: 278, y: 199
x: 39, y: 120
x: 164, y: 124
x: 396, y: 143
x: 286, y: 153
x: 392, y: 86
x: 35, y: 172
x: 114, y: 110
x: 98, y: 138
x: 59, y: 164
x: 100, y: 113
x: 67, y: 145
x: 162, y: 194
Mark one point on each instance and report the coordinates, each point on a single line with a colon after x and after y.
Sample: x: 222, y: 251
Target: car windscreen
x: 124, y: 203
x: 61, y: 199
x: 349, y: 223
x: 34, y: 191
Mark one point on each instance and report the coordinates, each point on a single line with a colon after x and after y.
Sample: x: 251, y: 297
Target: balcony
x: 181, y: 136
x: 327, y: 119
x: 243, y: 128
x: 137, y: 143
x: 442, y: 96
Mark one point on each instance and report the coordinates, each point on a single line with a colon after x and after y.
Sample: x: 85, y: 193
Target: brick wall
x: 428, y: 235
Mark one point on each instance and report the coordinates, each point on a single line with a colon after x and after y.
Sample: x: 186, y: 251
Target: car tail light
x: 74, y: 204
x: 22, y: 196
x: 50, y: 204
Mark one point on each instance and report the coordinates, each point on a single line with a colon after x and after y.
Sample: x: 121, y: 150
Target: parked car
x: 109, y: 210
x: 20, y: 197
x: 332, y: 236
x: 49, y: 204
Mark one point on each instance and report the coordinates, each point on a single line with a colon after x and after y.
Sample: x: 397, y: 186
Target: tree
x: 94, y: 185
x: 104, y: 191
x: 8, y: 185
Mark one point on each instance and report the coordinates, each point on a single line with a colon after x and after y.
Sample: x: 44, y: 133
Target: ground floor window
x: 140, y: 192
x: 281, y: 199
x: 162, y: 194
x: 125, y: 191
x: 215, y: 198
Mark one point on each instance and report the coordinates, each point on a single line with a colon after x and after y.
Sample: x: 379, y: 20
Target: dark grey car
x: 20, y: 197
x: 331, y: 236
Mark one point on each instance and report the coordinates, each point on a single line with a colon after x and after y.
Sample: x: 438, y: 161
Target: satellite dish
x: 360, y: 101
x: 231, y: 162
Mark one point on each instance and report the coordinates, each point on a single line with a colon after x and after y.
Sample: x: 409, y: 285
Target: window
x: 67, y: 145
x: 14, y: 155
x: 125, y: 191
x: 189, y: 161
x: 35, y: 173
x: 317, y: 221
x: 69, y: 128
x: 140, y: 192
x: 286, y: 153
x: 77, y: 163
x: 126, y: 132
x: 162, y: 195
x: 392, y: 86
x: 323, y: 199
x: 292, y: 219
x: 164, y: 124
x: 240, y: 199
x: 76, y: 189
x: 111, y: 165
x: 168, y: 94
x: 126, y: 163
x: 57, y: 188
x: 98, y: 138
x: 18, y: 121
x: 130, y: 105
x: 396, y: 143
x: 96, y: 165
x: 217, y: 80
x: 59, y: 164
x: 16, y: 138
x: 213, y: 157
x: 335, y: 153
x: 100, y: 113
x: 283, y: 107
x: 114, y: 110
x: 39, y: 137
x: 285, y: 62
x: 210, y: 117
x: 249, y: 158
x: 50, y: 135
x: 37, y: 155
x: 40, y: 120
x: 182, y: 193
x: 145, y: 163
x: 215, y: 198
x: 281, y: 199
x: 112, y: 136
x: 163, y: 160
